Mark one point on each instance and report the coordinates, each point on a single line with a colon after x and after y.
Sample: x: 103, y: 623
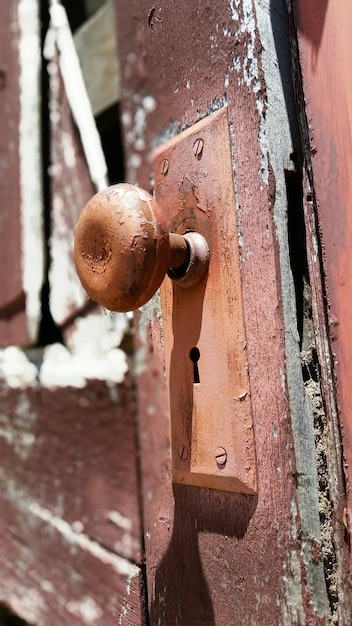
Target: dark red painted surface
x: 78, y: 436
x: 212, y: 557
x: 70, y: 521
x: 325, y: 49
x: 12, y: 299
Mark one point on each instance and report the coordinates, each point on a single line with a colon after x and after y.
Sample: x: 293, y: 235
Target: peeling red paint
x: 13, y: 326
x: 325, y: 48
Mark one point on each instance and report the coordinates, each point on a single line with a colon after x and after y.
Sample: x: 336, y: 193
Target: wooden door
x: 281, y: 557
x: 93, y: 530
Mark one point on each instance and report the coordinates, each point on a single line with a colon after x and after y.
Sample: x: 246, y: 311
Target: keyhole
x: 194, y: 356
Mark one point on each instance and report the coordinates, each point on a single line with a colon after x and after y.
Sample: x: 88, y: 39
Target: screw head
x: 182, y: 452
x: 220, y: 456
x: 198, y: 147
x: 164, y: 168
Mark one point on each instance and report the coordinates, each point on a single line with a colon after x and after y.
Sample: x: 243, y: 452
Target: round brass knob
x: 123, y: 249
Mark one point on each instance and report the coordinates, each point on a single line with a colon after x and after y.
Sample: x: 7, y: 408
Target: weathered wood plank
x: 21, y: 249
x: 70, y: 519
x: 211, y: 556
x: 69, y: 498
x: 73, y: 452
x: 71, y: 187
x: 51, y: 573
x: 325, y: 47
x: 96, y: 47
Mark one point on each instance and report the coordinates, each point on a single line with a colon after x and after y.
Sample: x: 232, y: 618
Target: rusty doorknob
x: 123, y: 249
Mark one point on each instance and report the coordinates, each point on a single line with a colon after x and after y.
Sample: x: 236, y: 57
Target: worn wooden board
x: 325, y: 49
x: 70, y: 526
x: 53, y: 574
x: 21, y: 250
x: 68, y: 444
x: 211, y: 556
x: 70, y: 520
x: 70, y: 187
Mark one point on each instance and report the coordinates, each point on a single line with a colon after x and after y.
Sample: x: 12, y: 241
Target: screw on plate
x: 198, y: 148
x: 220, y: 456
x: 182, y: 452
x: 164, y: 168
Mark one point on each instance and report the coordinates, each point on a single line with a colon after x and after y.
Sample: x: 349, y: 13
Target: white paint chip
x: 16, y: 369
x: 119, y: 520
x: 247, y: 71
x: 92, y: 353
x: 28, y: 602
x: 119, y: 564
x: 59, y: 37
x: 86, y: 609
x: 62, y: 369
x: 135, y: 125
x: 93, y: 348
x: 149, y: 103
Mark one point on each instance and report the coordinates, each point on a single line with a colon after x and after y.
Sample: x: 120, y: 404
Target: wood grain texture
x: 70, y: 528
x: 21, y: 222
x: 53, y: 575
x: 325, y: 47
x: 13, y: 325
x: 77, y: 457
x: 71, y: 188
x: 70, y: 520
x: 216, y: 558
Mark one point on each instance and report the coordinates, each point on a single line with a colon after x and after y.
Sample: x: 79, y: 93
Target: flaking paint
x: 257, y: 109
x: 30, y: 162
x: 92, y: 353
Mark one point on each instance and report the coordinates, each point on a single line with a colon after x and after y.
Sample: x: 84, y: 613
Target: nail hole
x: 194, y: 355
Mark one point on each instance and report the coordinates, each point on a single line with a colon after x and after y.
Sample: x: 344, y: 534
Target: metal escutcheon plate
x: 209, y: 396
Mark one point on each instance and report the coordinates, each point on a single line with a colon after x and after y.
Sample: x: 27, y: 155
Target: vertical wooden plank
x: 324, y: 48
x: 211, y: 556
x: 20, y: 173
x: 71, y: 188
x: 12, y: 291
